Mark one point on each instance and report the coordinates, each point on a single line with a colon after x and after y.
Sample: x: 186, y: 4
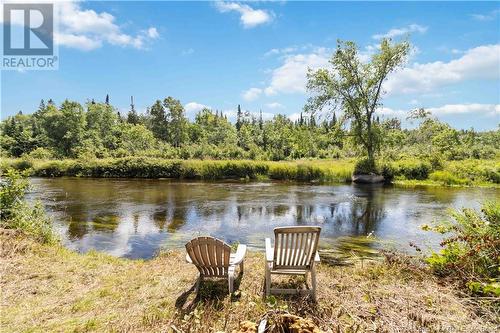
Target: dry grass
x: 48, y: 288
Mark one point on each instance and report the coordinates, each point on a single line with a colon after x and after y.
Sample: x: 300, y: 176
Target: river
x: 134, y: 218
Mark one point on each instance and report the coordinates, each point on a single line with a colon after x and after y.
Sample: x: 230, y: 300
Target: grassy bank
x: 318, y: 170
x: 406, y: 172
x: 48, y: 288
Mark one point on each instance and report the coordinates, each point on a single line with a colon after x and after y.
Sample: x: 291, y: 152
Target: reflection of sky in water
x: 134, y: 218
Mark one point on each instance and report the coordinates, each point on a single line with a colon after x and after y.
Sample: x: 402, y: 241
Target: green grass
x: 47, y: 288
x: 409, y: 171
x: 139, y: 167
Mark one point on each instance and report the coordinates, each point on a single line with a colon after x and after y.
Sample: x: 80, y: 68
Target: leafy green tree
x: 132, y: 116
x: 176, y: 121
x: 239, y: 117
x: 135, y: 139
x: 157, y: 121
x: 17, y: 135
x: 278, y: 134
x: 65, y: 127
x: 102, y: 122
x: 355, y: 88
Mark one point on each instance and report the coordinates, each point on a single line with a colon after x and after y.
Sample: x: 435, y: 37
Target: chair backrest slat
x: 209, y: 255
x: 295, y: 247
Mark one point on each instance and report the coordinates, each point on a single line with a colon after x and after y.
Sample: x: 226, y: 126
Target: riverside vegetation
x: 46, y: 287
x: 100, y: 141
x: 410, y: 171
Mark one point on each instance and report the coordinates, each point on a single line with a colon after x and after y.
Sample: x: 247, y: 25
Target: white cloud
x: 487, y: 17
x: 153, y: 33
x: 251, y: 94
x: 250, y: 17
x: 396, y: 32
x: 477, y: 109
x: 275, y: 105
x: 231, y: 115
x: 86, y: 29
x: 291, y: 77
x: 194, y: 107
x: 81, y: 42
x: 487, y: 110
x: 482, y: 62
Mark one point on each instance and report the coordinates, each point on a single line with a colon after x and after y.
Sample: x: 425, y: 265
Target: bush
x: 471, y: 251
x: 412, y: 169
x: 365, y: 166
x: 17, y: 214
x: 22, y: 164
x: 13, y: 187
x: 40, y: 154
x: 388, y: 171
x: 446, y: 178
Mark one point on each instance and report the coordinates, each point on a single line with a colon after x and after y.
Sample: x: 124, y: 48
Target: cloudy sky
x: 221, y: 54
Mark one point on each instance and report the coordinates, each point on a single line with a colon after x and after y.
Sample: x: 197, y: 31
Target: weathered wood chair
x: 213, y: 259
x: 294, y: 253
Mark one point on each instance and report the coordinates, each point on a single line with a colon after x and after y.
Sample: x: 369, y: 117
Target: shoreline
x: 321, y: 172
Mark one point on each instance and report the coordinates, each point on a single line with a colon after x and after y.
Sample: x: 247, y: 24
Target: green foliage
x: 412, y: 169
x: 150, y: 167
x: 97, y: 131
x: 365, y: 166
x: 356, y: 88
x: 471, y: 249
x: 447, y: 178
x: 13, y: 187
x: 17, y: 214
x: 40, y: 153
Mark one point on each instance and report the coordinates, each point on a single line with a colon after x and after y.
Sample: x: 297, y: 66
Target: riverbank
x: 49, y: 288
x: 410, y: 172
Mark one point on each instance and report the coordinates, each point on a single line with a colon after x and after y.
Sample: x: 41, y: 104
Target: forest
x: 98, y: 131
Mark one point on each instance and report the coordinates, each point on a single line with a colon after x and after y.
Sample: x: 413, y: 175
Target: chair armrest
x: 269, y: 250
x: 239, y: 255
x: 188, y: 258
x: 316, y: 257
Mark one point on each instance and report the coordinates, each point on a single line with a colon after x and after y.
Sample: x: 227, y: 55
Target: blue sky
x: 221, y: 54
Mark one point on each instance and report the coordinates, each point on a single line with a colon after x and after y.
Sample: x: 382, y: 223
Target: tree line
x: 98, y: 130
x: 349, y: 87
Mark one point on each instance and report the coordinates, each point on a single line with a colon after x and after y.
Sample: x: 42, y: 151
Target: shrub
x: 22, y: 164
x: 388, y: 171
x: 412, y: 169
x: 365, y: 166
x: 17, y: 214
x: 40, y: 153
x: 446, y: 178
x: 471, y: 251
x: 492, y: 175
x: 13, y: 187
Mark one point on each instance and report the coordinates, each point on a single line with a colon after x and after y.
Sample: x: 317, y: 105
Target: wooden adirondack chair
x: 294, y: 253
x: 213, y: 258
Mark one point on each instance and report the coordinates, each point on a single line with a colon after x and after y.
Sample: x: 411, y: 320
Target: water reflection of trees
x: 216, y: 208
x: 363, y: 213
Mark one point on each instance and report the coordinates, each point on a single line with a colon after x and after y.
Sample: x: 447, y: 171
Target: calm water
x: 135, y: 218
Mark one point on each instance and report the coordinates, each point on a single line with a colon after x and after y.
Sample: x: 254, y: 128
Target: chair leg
x: 313, y: 282
x: 230, y: 279
x: 197, y: 284
x: 268, y: 280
